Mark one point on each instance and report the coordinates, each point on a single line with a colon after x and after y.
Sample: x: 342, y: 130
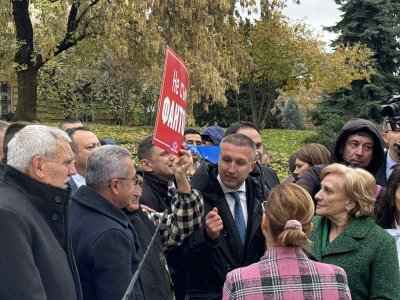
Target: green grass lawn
x: 280, y: 143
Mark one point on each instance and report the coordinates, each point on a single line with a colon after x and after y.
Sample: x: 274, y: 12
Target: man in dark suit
x: 265, y: 175
x: 83, y: 142
x: 233, y: 197
x: 391, y: 136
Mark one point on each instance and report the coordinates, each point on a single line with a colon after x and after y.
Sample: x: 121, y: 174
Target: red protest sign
x: 171, y: 113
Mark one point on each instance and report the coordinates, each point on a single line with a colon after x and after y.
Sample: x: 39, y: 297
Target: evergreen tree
x: 374, y: 23
x: 291, y: 116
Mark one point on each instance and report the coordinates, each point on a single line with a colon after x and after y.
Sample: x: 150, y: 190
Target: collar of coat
x: 92, y: 200
x: 347, y: 241
x: 156, y: 183
x: 40, y: 193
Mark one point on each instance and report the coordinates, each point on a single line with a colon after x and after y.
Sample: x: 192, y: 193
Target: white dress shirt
x: 390, y: 163
x: 231, y: 201
x: 79, y: 180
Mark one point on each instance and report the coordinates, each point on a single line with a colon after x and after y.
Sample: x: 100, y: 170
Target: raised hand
x: 183, y: 163
x: 213, y: 224
x: 180, y: 167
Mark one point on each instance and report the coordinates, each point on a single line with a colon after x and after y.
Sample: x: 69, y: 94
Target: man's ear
x: 114, y: 186
x: 36, y: 168
x: 384, y: 137
x: 253, y: 164
x: 145, y: 165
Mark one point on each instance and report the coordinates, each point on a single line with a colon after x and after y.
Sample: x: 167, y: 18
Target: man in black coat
x: 104, y: 242
x: 358, y: 144
x: 158, y: 176
x: 186, y: 217
x: 234, y: 198
x: 263, y: 174
x: 35, y: 247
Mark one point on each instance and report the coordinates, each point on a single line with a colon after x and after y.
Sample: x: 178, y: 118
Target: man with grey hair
x: 234, y: 197
x: 35, y: 248
x: 108, y: 253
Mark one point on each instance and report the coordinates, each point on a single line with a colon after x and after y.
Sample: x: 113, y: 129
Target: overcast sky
x: 317, y: 13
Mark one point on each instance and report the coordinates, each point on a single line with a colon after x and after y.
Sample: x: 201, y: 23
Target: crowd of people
x: 79, y: 220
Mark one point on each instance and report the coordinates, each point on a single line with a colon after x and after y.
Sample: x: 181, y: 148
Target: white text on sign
x: 174, y: 115
x: 179, y: 89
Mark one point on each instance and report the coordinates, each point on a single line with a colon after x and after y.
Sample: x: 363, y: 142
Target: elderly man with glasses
x: 108, y: 246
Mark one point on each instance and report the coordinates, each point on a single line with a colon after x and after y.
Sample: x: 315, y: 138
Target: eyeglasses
x: 397, y: 130
x: 134, y: 179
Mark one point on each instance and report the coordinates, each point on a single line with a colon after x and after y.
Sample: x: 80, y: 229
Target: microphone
x: 136, y: 275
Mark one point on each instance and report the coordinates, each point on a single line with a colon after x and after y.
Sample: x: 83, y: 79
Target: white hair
x: 31, y: 141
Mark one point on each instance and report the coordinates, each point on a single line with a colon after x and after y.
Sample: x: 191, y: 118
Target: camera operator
x: 391, y: 136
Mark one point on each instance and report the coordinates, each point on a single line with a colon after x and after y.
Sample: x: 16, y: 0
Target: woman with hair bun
x: 285, y: 272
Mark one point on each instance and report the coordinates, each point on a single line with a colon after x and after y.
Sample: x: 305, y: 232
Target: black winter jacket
x: 36, y: 260
x: 155, y: 193
x: 156, y: 281
x: 207, y: 261
x: 105, y: 246
x: 311, y: 180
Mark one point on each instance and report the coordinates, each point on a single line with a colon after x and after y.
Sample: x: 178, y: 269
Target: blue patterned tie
x: 239, y: 217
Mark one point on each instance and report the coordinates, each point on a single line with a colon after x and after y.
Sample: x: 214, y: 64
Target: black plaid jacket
x: 187, y: 211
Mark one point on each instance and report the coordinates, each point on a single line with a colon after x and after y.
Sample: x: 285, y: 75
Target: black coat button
x: 57, y: 199
x: 228, y: 267
x: 55, y: 217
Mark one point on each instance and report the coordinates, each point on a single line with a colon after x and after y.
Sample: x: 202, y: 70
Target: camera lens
x: 391, y: 110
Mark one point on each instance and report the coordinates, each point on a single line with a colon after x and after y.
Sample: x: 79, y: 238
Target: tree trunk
x: 28, y: 66
x: 27, y: 95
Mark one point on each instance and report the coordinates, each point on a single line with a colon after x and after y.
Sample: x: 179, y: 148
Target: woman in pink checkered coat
x: 285, y: 272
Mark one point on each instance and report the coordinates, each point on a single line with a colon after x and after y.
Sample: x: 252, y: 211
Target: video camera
x: 392, y: 109
x: 392, y: 112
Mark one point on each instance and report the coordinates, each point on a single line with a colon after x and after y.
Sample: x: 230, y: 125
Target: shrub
x: 291, y: 116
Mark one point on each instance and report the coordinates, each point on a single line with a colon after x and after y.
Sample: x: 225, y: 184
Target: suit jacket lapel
x: 254, y: 210
x: 229, y: 222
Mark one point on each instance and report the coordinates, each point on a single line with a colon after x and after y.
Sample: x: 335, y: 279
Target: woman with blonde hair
x: 345, y: 235
x: 285, y: 272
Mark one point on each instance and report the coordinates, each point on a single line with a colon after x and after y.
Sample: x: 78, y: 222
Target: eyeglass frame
x: 135, y: 179
x: 397, y: 130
